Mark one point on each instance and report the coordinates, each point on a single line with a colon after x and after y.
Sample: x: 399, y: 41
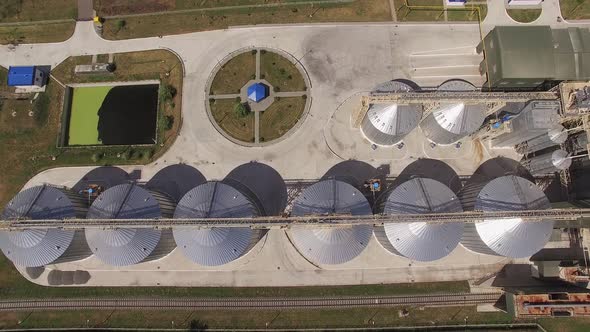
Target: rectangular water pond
x: 111, y: 114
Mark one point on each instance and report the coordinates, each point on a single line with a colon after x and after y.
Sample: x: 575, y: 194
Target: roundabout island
x: 257, y: 96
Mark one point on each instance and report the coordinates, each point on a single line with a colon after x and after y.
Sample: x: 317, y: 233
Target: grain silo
x: 450, y: 122
x: 330, y: 245
x: 128, y: 246
x: 39, y: 247
x: 511, y: 237
x: 217, y: 245
x: 387, y: 124
x: 548, y: 163
x: 420, y: 241
x: 555, y: 136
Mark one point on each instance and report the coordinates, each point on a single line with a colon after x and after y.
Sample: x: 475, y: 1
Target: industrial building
x: 548, y: 163
x: 450, y: 122
x: 331, y: 245
x: 128, y: 246
x: 527, y: 57
x: 555, y: 136
x: 513, y: 238
x: 419, y: 240
x: 388, y: 124
x: 39, y: 247
x: 217, y: 245
x: 26, y: 76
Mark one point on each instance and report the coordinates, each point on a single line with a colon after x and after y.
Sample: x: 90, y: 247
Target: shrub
x: 241, y: 110
x: 121, y: 24
x: 168, y: 122
x: 304, y: 97
x: 167, y: 93
x: 126, y: 155
x: 254, y: 52
x: 149, y: 153
x: 97, y: 156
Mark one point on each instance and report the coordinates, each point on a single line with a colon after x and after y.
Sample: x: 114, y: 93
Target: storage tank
x: 330, y: 245
x: 548, y: 163
x: 217, y: 245
x: 450, y: 122
x: 420, y: 241
x: 388, y: 124
x: 555, y: 136
x: 39, y: 247
x: 128, y: 246
x: 513, y: 237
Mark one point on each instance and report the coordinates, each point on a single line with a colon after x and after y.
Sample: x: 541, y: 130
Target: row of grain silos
x: 422, y: 241
x: 321, y: 245
x: 128, y: 246
x: 386, y: 124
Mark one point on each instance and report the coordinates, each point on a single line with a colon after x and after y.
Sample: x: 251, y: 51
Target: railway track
x: 245, y: 303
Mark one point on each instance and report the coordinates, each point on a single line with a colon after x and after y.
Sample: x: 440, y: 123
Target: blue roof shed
x: 21, y: 75
x: 257, y: 92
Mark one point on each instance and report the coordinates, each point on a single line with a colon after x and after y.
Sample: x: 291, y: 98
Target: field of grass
x: 281, y: 73
x: 84, y: 115
x: 177, y: 23
x: 575, y: 9
x: 37, y: 33
x: 281, y: 116
x: 35, y: 10
x: 524, y: 15
x: 240, y: 128
x: 234, y: 74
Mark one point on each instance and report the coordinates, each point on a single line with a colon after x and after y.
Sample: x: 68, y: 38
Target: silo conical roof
x: 124, y: 246
x: 37, y: 247
x: 331, y: 245
x: 421, y: 241
x: 509, y: 237
x: 388, y: 124
x: 449, y: 122
x: 218, y: 245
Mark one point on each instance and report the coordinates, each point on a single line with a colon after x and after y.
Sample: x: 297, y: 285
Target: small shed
x: 25, y: 76
x: 257, y: 92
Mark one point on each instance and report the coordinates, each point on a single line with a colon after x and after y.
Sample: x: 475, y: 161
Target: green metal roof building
x: 526, y: 57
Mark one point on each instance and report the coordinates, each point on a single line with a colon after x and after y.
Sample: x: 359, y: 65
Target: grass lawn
x: 281, y: 73
x: 234, y: 74
x: 176, y: 23
x: 84, y: 115
x: 253, y: 319
x: 405, y: 14
x: 37, y: 33
x: 35, y: 10
x: 27, y: 149
x: 281, y: 116
x: 524, y: 15
x: 575, y: 9
x: 240, y: 128
x: 468, y: 13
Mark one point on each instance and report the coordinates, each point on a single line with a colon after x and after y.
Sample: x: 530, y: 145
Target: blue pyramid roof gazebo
x: 257, y: 92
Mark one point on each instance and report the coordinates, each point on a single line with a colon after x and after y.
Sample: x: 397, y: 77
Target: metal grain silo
x: 388, y: 124
x: 330, y: 245
x: 555, y: 136
x: 128, y: 246
x: 548, y: 163
x: 450, y: 122
x: 420, y: 241
x: 39, y: 247
x: 217, y: 245
x: 514, y: 237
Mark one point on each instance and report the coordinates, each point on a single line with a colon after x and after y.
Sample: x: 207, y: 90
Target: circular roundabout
x: 258, y: 96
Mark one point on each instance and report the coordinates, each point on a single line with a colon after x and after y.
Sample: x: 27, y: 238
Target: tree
x: 241, y: 110
x: 167, y: 93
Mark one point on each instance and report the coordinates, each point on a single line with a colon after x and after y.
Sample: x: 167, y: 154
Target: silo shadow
x: 106, y: 177
x: 176, y: 180
x: 432, y: 169
x: 498, y: 167
x: 261, y: 183
x: 356, y: 173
